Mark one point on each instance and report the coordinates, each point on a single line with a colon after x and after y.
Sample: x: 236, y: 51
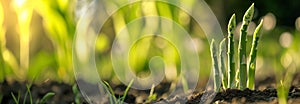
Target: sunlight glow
x: 24, y: 16
x: 19, y: 3
x: 1, y: 15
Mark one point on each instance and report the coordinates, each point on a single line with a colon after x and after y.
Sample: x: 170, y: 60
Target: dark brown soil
x: 265, y: 93
x: 268, y: 95
x: 63, y: 92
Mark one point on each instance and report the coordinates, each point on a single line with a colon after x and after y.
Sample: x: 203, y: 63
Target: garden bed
x: 265, y: 93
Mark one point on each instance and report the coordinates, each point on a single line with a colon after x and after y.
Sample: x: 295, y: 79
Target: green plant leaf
x: 46, y: 97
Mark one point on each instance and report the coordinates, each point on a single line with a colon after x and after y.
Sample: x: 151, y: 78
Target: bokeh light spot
x: 269, y: 21
x: 298, y: 23
x: 286, y: 39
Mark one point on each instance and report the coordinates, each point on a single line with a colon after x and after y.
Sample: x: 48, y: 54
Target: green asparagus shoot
x: 252, y: 60
x: 242, y: 47
x: 230, y: 52
x: 217, y: 81
x: 222, y: 60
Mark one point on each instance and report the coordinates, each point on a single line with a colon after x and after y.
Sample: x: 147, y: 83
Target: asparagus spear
x: 252, y: 60
x: 214, y: 55
x: 222, y: 66
x: 242, y: 47
x: 230, y: 54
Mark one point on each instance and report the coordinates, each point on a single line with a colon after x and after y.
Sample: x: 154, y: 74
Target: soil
x: 236, y: 96
x: 265, y: 93
x: 63, y: 92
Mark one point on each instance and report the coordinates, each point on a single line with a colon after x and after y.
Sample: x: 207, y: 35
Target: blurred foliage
x: 56, y: 20
x: 2, y: 44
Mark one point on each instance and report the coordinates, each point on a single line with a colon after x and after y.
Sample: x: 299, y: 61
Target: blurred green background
x: 36, y: 38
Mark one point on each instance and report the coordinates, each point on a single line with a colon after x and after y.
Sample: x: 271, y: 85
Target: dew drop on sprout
x: 269, y: 21
x: 286, y: 39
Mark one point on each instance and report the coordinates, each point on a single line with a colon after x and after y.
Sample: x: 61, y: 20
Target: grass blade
x: 112, y: 98
x: 230, y: 54
x: 252, y: 60
x: 28, y: 91
x: 242, y: 47
x: 46, y: 97
x: 25, y: 98
x: 14, y: 97
x: 126, y: 91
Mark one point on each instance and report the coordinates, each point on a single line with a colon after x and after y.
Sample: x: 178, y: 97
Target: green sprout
x: 222, y: 63
x: 242, y: 47
x: 246, y: 73
x: 112, y: 97
x: 252, y: 60
x: 230, y: 53
x: 44, y: 99
x: 285, y: 74
x: 214, y: 56
x: 152, y: 96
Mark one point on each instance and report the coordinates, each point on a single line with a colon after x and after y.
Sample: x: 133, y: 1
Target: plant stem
x: 242, y: 47
x: 222, y: 66
x: 230, y: 54
x: 252, y: 60
x: 217, y: 82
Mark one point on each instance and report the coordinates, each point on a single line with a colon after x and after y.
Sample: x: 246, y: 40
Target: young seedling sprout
x: 222, y: 60
x: 230, y: 52
x: 246, y: 72
x: 217, y: 82
x: 242, y: 47
x: 252, y: 60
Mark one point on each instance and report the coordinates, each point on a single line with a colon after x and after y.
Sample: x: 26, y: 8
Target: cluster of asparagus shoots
x: 245, y: 75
